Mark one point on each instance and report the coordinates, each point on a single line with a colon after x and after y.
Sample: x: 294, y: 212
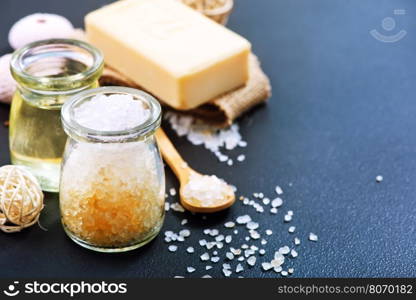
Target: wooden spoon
x: 184, y: 173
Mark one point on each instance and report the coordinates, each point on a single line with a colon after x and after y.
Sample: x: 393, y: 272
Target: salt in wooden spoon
x: 223, y: 199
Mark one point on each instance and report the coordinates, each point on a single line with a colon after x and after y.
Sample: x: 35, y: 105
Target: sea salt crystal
x: 288, y: 218
x: 290, y: 270
x: 185, y: 233
x: 284, y: 250
x: 200, y: 133
x: 294, y: 253
x: 190, y: 250
x: 173, y: 248
x: 172, y: 192
x: 263, y: 242
x: 219, y: 238
x: 229, y: 255
x: 229, y: 224
x: 241, y: 157
x: 184, y: 222
x: 266, y: 266
x: 278, y: 269
x: 296, y: 241
x: 112, y: 113
x: 228, y: 239
x: 278, y: 190
x: 313, y: 237
x: 206, y: 276
x: 262, y: 251
x: 277, y: 202
x: 215, y: 253
x: 190, y: 269
x: 235, y: 231
x: 205, y: 256
x: 291, y: 229
x: 379, y: 178
x: 266, y: 201
x: 241, y: 258
x: 269, y: 232
x: 214, y: 232
x: 254, y: 234
x: 239, y: 268
x: 177, y: 207
x: 284, y: 273
x: 230, y: 162
x: 202, y: 243
x: 243, y: 219
x: 215, y: 259
x: 208, y: 268
x: 252, y: 225
x: 251, y: 261
x: 273, y: 210
x: 226, y: 272
x: 226, y: 266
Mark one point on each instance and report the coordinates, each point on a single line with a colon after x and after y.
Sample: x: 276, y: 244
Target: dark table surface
x: 343, y: 111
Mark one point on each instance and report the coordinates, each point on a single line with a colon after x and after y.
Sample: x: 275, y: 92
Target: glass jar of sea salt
x: 112, y: 180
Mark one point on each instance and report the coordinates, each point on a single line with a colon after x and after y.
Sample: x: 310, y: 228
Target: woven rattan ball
x: 21, y: 199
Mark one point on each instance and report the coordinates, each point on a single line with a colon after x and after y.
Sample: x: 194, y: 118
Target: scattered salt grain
x: 228, y: 239
x: 208, y: 268
x: 273, y: 210
x: 185, y: 233
x: 202, y: 243
x: 205, y: 256
x: 190, y: 250
x: 229, y: 255
x: 278, y: 190
x: 251, y: 261
x: 379, y: 178
x: 241, y: 157
x: 177, y: 207
x: 284, y: 273
x: 313, y: 237
x: 215, y: 259
x: 266, y: 201
x: 243, y: 219
x: 291, y: 229
x: 296, y: 241
x: 172, y: 192
x: 284, y: 250
x: 294, y: 253
x: 190, y: 269
x: 262, y: 251
x: 184, y: 222
x: 206, y: 276
x: 252, y: 225
x: 226, y: 272
x: 290, y: 270
x: 229, y: 224
x: 266, y: 266
x: 173, y: 248
x: 239, y: 268
x: 278, y: 269
x: 269, y: 232
x: 277, y: 202
x: 288, y: 218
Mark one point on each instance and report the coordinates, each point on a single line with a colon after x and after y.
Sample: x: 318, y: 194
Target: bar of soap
x: 172, y: 51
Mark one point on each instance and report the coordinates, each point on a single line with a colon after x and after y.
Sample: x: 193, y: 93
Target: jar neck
x: 50, y: 71
x: 142, y: 132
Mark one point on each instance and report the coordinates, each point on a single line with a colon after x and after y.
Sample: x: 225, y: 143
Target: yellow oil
x: 37, y: 140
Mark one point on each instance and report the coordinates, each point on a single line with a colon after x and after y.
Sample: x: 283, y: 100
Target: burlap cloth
x: 221, y: 111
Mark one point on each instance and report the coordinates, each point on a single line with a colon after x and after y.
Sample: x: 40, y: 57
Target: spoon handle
x: 172, y: 156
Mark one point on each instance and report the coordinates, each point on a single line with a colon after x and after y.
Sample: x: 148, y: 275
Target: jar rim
x: 73, y: 128
x: 91, y: 73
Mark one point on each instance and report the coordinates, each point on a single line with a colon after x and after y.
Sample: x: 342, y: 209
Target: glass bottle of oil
x: 47, y: 72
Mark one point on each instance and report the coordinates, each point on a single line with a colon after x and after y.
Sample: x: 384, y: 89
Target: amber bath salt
x: 112, y: 186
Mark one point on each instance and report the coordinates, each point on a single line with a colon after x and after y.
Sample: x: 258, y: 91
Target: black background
x: 342, y: 112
